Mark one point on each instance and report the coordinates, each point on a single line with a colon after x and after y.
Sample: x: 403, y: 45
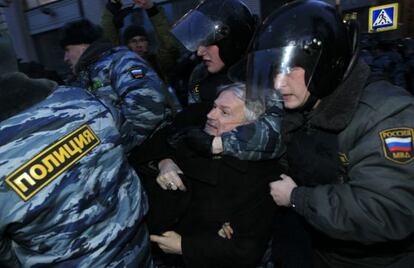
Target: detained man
x: 222, y: 197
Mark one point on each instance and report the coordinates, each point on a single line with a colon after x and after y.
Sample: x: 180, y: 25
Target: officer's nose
x: 201, y: 51
x: 280, y: 81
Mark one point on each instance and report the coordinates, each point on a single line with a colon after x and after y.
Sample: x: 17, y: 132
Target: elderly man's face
x: 227, y: 114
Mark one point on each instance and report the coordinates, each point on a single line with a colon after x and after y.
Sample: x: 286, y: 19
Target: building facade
x: 34, y: 24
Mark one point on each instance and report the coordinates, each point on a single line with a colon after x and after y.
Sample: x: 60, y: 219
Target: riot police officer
x: 349, y: 142
x: 68, y: 196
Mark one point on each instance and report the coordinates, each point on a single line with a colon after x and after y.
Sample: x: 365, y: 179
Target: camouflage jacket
x: 260, y: 140
x: 128, y: 86
x: 68, y: 196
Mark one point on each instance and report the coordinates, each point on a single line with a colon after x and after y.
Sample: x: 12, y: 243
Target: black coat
x: 220, y: 189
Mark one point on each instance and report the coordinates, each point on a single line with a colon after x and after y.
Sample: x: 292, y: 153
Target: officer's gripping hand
x: 281, y: 190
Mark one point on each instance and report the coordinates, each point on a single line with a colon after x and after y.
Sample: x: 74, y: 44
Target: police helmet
x: 308, y: 34
x: 229, y: 24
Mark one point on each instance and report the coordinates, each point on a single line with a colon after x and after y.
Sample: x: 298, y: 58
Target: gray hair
x: 252, y: 109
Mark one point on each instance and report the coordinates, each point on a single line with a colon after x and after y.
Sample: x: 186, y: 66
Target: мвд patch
x: 398, y: 144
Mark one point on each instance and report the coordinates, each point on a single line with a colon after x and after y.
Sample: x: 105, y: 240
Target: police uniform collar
x: 93, y: 53
x: 335, y: 111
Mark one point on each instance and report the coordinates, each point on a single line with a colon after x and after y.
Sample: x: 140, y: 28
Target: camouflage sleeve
x: 7, y: 258
x: 142, y: 99
x: 256, y: 141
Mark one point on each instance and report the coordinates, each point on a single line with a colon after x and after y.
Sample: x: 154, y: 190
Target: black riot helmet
x: 229, y: 24
x: 308, y: 34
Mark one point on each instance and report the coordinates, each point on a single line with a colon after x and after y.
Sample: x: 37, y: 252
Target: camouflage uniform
x: 68, y: 197
x: 258, y: 140
x: 128, y: 86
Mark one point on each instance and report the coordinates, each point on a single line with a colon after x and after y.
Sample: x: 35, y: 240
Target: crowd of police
x: 284, y: 142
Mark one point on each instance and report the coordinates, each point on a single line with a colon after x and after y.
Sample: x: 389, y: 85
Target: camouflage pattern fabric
x: 259, y: 140
x: 131, y: 89
x: 68, y: 196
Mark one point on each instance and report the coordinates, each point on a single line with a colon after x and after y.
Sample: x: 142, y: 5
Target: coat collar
x: 93, y: 53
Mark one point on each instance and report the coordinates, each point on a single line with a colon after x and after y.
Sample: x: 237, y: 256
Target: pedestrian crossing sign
x: 383, y: 18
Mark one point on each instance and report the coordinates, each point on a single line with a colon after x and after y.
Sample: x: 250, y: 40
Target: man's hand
x: 282, y: 189
x: 226, y: 231
x: 144, y: 4
x: 169, y: 242
x: 168, y: 177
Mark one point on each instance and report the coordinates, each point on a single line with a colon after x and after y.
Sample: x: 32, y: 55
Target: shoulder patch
x: 136, y: 72
x: 43, y: 168
x: 398, y: 144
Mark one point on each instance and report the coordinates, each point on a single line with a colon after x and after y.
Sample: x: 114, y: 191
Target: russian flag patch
x: 136, y: 72
x: 398, y: 144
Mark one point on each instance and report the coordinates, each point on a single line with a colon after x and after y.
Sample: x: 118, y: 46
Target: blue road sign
x: 383, y: 18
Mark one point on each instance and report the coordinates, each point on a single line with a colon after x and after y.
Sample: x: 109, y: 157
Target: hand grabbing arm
x: 281, y: 190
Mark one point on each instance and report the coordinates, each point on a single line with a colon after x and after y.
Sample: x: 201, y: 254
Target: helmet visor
x: 268, y: 70
x: 196, y: 29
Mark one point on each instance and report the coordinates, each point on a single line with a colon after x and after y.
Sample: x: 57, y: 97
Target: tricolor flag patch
x: 136, y: 72
x: 398, y: 144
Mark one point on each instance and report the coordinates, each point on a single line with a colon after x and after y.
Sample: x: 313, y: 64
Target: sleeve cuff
x: 153, y: 11
x: 299, y: 199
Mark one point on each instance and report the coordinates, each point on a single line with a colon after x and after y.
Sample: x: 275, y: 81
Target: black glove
x: 114, y: 7
x: 118, y: 13
x: 199, y: 140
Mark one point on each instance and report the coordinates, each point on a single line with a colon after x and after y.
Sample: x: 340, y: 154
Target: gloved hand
x: 114, y: 6
x: 199, y: 140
